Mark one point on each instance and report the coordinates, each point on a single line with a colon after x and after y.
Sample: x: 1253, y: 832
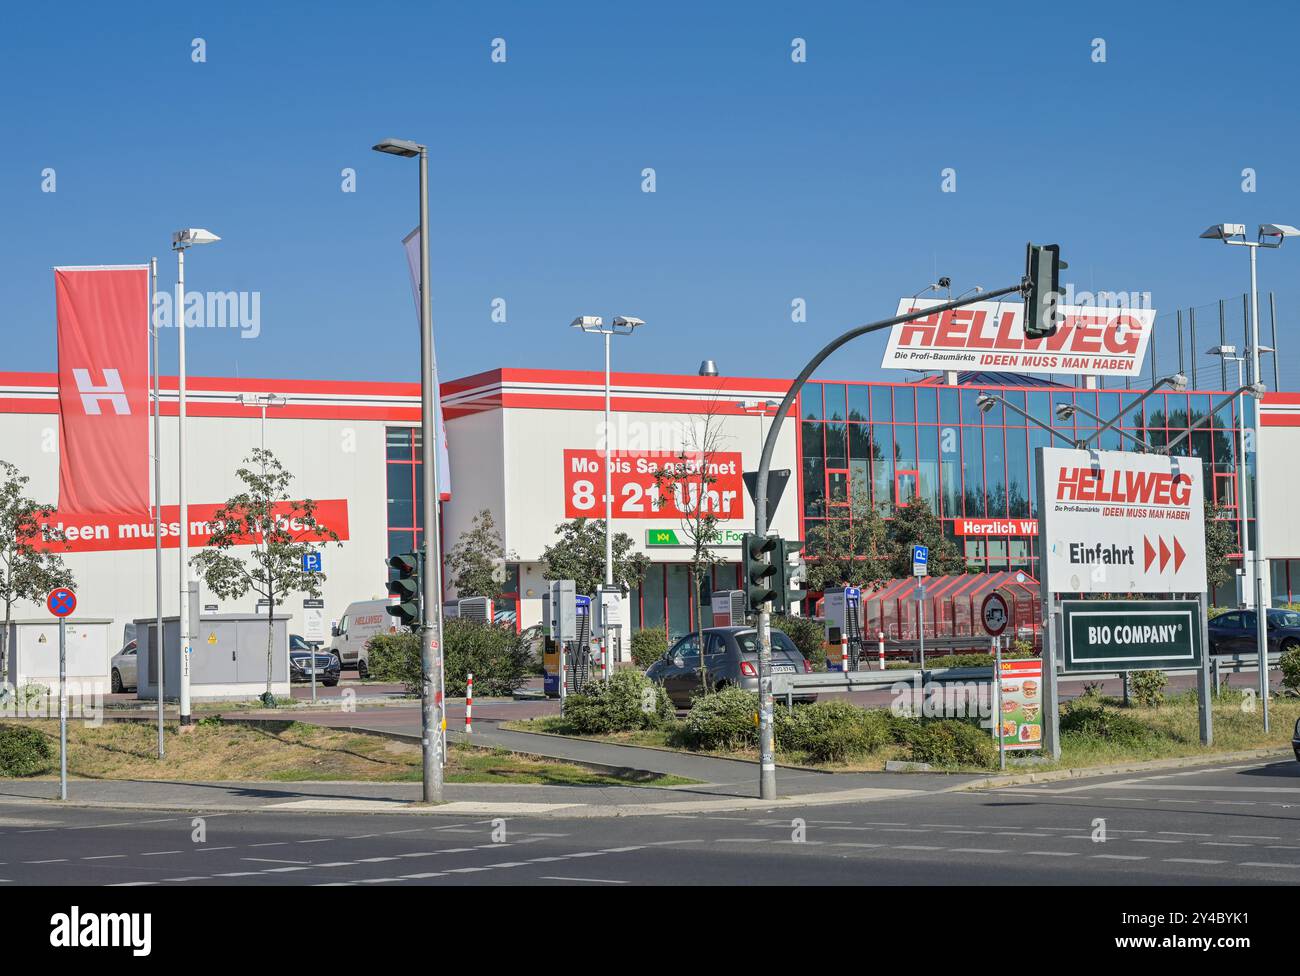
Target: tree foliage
x: 848, y: 548
x: 30, y: 565
x: 1220, y: 540
x: 579, y: 554
x: 915, y: 524
x: 278, y: 530
x: 476, y: 564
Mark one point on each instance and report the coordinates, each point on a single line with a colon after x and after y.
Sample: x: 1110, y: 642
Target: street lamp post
x: 182, y: 240
x: 431, y: 656
x: 1229, y: 354
x: 263, y: 400
x: 1270, y: 236
x: 621, y: 325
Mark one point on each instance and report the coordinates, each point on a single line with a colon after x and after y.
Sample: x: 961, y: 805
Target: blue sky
x: 774, y: 180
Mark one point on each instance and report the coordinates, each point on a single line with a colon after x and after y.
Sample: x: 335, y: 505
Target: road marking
x: 1154, y: 840
x: 102, y: 857
x: 52, y: 860
x: 1054, y: 853
x: 132, y: 884
x: 1121, y: 857
x: 314, y: 840
x: 977, y: 850
x: 1191, y: 860
x: 1267, y: 864
x: 273, y: 860
x: 280, y: 870
x: 915, y: 847
x: 157, y: 853
x: 586, y: 880
x: 375, y: 860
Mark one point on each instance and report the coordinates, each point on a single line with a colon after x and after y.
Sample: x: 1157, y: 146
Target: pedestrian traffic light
x: 788, y: 593
x: 1042, y: 289
x: 758, y: 550
x: 405, y: 588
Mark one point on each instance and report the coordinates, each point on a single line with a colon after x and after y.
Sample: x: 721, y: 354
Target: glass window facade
x: 931, y: 441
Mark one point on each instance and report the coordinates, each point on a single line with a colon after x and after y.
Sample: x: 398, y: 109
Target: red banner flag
x: 103, y: 316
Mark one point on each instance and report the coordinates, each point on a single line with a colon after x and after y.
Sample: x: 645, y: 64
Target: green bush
x: 807, y: 634
x: 1089, y: 719
x: 495, y: 655
x: 395, y: 658
x: 1147, y: 687
x: 833, y: 731
x: 627, y: 702
x: 649, y: 644
x: 1290, y: 664
x: 946, y: 742
x: 726, y: 719
x: 972, y: 660
x: 24, y: 751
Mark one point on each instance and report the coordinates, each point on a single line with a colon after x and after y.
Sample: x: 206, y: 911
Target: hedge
x: 649, y: 644
x: 495, y: 655
x: 627, y: 702
x: 24, y: 751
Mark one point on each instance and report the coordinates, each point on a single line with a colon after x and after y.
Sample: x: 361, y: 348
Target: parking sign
x: 311, y: 562
x: 920, y: 560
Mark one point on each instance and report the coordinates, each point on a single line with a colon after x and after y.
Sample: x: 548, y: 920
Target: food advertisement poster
x: 1022, y: 704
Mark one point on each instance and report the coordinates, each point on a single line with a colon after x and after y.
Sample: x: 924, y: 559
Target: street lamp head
x: 1178, y: 382
x: 628, y: 322
x: 1262, y: 350
x: 986, y: 402
x: 1223, y: 232
x: 1064, y: 411
x: 1224, y: 351
x: 190, y: 236
x: 1279, y: 231
x: 588, y: 323
x: 708, y: 368
x: 399, y: 147
x: 1257, y: 390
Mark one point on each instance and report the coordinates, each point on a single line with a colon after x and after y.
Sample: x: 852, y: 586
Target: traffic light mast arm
x: 769, y: 445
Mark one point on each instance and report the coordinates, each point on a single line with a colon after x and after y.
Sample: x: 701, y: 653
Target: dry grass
x: 294, y: 752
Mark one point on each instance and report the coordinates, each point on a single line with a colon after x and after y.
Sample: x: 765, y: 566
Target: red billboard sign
x: 995, y: 526
x: 103, y: 323
x: 639, y: 491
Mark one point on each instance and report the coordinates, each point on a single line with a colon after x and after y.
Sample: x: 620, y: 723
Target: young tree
x: 476, y: 564
x: 848, y: 550
x: 686, y: 485
x: 280, y: 532
x: 29, y: 566
x: 579, y: 555
x: 1220, y: 539
x: 915, y: 524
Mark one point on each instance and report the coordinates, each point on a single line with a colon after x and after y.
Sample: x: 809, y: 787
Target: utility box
x: 842, y: 607
x: 728, y: 608
x: 228, y: 660
x: 478, y: 608
x: 34, y: 652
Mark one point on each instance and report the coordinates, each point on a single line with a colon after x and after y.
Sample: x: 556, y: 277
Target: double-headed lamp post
x: 621, y: 325
x: 183, y: 240
x: 431, y: 656
x: 1270, y: 236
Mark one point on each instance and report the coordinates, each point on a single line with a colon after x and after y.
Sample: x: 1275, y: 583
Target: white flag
x: 412, y: 244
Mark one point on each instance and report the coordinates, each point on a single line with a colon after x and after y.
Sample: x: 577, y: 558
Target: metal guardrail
x: 830, y: 682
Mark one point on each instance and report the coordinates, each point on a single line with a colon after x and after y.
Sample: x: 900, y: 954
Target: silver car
x: 123, y: 668
x: 731, y: 658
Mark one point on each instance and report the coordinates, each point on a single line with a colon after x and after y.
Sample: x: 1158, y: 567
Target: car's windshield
x: 749, y: 643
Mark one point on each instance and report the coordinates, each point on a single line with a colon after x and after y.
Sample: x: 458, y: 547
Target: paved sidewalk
x: 461, y: 799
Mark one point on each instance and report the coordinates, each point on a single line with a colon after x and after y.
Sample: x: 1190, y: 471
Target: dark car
x: 1234, y: 632
x: 731, y: 658
x: 1295, y: 740
x: 328, y: 665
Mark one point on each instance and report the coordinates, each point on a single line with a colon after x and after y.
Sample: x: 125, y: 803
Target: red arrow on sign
x: 1179, y: 554
x: 1164, y: 555
x: 1148, y: 554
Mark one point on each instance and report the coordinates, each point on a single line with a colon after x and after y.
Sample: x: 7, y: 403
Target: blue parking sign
x: 311, y: 562
x: 920, y: 554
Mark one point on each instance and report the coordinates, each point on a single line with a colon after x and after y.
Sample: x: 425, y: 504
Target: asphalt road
x: 1220, y: 825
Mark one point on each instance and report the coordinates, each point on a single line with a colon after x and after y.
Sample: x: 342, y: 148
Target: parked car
x: 124, y: 673
x: 731, y: 659
x: 328, y: 664
x: 1234, y: 632
x: 1295, y: 740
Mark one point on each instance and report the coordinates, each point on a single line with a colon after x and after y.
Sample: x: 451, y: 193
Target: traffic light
x: 405, y: 587
x: 1042, y: 283
x: 787, y: 593
x: 757, y: 551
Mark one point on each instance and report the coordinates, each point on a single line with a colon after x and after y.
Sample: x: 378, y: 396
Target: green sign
x: 662, y: 537
x: 725, y: 538
x: 1131, y: 635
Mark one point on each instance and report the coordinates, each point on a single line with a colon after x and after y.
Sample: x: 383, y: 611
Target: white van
x: 362, y: 621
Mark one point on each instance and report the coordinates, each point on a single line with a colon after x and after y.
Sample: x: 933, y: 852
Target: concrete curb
x: 1091, y: 772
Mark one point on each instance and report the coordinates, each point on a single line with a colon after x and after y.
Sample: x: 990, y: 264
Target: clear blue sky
x: 775, y: 180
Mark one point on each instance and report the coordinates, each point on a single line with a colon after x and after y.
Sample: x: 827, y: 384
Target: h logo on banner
x: 112, y: 391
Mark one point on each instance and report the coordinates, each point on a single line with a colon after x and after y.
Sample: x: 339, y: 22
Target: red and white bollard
x: 604, y: 661
x: 469, y: 703
x: 880, y: 636
x: 844, y: 655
